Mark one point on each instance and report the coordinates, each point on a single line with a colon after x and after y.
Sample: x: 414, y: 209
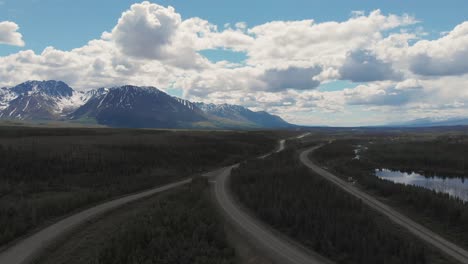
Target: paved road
x: 423, y: 233
x: 25, y: 250
x: 281, y: 250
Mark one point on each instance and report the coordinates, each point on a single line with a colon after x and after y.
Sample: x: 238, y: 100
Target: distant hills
x: 124, y: 106
x: 432, y: 122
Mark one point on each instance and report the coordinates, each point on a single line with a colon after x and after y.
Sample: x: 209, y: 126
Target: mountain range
x: 432, y: 122
x: 124, y: 106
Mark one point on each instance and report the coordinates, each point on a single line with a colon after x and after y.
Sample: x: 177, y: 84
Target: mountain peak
x: 135, y: 106
x: 125, y: 106
x: 133, y: 88
x: 51, y: 88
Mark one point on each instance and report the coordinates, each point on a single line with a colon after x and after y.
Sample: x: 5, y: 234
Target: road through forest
x: 423, y: 233
x: 272, y: 244
x: 27, y: 249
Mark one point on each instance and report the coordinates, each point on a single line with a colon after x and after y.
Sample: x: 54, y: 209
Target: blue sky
x: 407, y: 61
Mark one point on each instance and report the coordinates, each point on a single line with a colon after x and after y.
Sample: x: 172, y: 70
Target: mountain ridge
x: 125, y: 106
x: 432, y: 122
x: 242, y: 114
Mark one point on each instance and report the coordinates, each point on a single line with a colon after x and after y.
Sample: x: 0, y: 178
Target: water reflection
x: 456, y: 187
x: 357, y: 151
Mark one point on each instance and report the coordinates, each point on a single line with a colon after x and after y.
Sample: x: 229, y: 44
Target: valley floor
x: 292, y: 204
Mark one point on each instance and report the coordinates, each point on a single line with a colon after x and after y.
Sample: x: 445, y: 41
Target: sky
x: 337, y: 63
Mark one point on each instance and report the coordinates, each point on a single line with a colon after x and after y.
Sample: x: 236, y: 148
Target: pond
x: 357, y: 151
x: 456, y: 187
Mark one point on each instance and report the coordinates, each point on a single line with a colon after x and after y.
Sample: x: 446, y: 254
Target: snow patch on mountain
x: 186, y: 103
x: 68, y: 104
x: 124, y: 106
x: 6, y: 96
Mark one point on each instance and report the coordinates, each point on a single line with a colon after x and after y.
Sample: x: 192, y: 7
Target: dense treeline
x: 182, y: 228
x: 445, y: 156
x: 177, y: 226
x: 439, y: 211
x: 47, y: 173
x: 306, y: 207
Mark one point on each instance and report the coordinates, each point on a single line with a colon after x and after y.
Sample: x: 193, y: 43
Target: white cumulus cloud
x: 364, y: 66
x: 287, y: 61
x: 9, y: 34
x: 444, y: 56
x: 146, y: 30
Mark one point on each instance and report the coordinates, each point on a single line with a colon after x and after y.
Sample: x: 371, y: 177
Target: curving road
x: 281, y: 146
x: 280, y: 249
x: 25, y: 250
x: 423, y: 233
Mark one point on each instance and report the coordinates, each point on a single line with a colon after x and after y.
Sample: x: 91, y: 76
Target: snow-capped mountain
x: 43, y: 100
x: 244, y: 115
x: 133, y: 106
x: 6, y: 95
x: 187, y: 103
x: 50, y: 88
x: 124, y: 106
